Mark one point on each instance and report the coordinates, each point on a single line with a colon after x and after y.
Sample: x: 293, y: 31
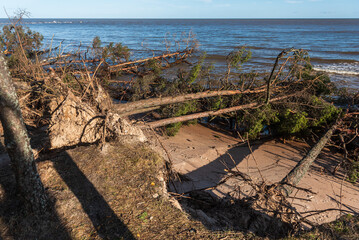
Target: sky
x: 183, y: 8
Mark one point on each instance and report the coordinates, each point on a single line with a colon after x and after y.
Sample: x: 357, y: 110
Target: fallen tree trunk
x: 71, y: 61
x: 127, y: 108
x: 167, y: 121
x: 299, y: 171
x: 169, y: 55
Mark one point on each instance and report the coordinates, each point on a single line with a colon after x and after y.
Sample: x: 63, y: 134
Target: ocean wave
x: 52, y: 22
x: 334, y: 62
x: 340, y: 69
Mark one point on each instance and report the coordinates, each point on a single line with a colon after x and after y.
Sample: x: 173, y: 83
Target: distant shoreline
x: 274, y: 19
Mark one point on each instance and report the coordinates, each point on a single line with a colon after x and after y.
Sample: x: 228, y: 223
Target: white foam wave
x: 336, y: 71
x: 340, y: 68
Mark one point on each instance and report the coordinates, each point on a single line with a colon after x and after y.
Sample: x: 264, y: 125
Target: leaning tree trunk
x: 301, y: 169
x: 184, y: 118
x: 18, y: 144
x: 146, y: 104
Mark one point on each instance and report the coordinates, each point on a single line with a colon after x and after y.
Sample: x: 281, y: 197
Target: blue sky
x: 185, y: 8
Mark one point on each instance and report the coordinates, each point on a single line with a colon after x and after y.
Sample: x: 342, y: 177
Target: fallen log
x: 71, y: 62
x: 127, y: 108
x: 169, y: 55
x: 167, y: 121
x: 299, y: 171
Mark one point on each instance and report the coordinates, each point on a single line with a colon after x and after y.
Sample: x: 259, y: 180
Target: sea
x: 333, y: 44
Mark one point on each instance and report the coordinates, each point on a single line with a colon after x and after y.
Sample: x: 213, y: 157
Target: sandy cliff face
x: 75, y: 122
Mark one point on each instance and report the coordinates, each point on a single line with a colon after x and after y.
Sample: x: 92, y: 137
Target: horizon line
x: 160, y: 18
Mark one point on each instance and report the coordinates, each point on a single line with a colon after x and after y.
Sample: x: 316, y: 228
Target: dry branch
x: 269, y: 81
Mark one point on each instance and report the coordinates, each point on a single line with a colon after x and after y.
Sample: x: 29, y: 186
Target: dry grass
x: 114, y: 194
x: 96, y: 195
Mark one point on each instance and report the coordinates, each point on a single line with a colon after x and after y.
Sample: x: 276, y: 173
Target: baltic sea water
x: 333, y: 44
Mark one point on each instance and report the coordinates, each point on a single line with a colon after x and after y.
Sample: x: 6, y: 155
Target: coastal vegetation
x: 291, y: 101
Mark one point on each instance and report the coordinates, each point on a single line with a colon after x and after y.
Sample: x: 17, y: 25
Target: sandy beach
x: 202, y: 154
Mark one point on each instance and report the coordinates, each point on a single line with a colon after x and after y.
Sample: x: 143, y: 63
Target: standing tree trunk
x: 18, y: 144
x: 299, y: 171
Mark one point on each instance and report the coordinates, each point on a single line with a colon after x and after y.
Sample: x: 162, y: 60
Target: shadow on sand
x: 15, y: 224
x: 103, y: 218
x: 228, y: 212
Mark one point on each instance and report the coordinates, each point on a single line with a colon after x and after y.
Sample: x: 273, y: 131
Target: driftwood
x: 299, y: 171
x: 164, y: 122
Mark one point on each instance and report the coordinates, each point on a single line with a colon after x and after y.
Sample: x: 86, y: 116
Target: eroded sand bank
x: 202, y: 155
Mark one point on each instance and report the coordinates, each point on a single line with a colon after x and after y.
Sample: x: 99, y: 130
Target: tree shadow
x: 103, y: 218
x: 212, y: 173
x: 227, y: 212
x: 15, y: 222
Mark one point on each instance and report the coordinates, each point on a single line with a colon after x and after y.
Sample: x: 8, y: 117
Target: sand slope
x: 202, y: 154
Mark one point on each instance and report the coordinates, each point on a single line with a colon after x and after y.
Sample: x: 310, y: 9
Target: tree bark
x: 123, y: 109
x: 18, y: 144
x: 167, y: 121
x: 169, y: 55
x: 301, y: 169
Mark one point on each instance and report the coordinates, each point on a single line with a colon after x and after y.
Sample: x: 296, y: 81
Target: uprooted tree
x: 18, y: 144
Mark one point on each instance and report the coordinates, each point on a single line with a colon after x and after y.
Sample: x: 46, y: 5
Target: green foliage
x: 11, y: 37
x: 326, y: 115
x: 353, y: 172
x: 154, y: 65
x: 19, y: 42
x: 322, y: 84
x: 142, y: 86
x: 217, y: 103
x: 173, y: 128
x: 177, y: 110
x: 292, y: 122
x: 196, y: 69
x: 236, y: 58
x: 257, y: 119
x: 96, y: 42
x: 116, y: 52
x: 289, y: 121
x: 143, y: 216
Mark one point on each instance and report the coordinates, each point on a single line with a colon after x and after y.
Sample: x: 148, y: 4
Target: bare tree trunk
x: 301, y: 169
x: 169, y: 55
x: 127, y: 108
x: 269, y: 81
x: 18, y: 144
x: 167, y: 121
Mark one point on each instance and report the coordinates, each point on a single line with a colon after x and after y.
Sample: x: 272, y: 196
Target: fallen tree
x: 300, y: 170
x: 178, y: 55
x: 127, y: 108
x: 164, y: 122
